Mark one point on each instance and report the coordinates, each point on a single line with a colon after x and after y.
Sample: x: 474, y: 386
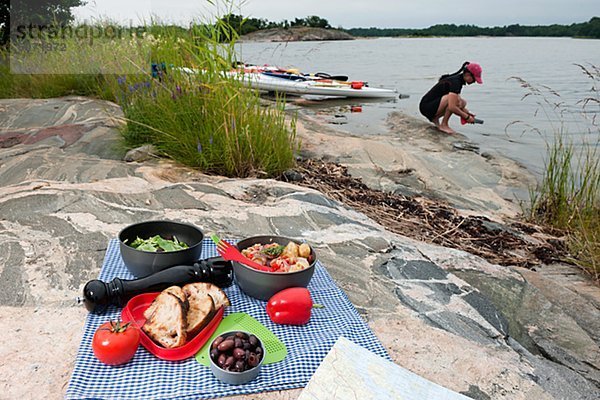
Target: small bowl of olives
x: 236, y: 357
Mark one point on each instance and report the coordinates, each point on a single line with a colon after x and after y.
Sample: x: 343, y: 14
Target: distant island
x: 316, y: 28
x: 296, y: 34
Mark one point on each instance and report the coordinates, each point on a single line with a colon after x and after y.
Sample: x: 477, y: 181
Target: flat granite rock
x: 476, y: 328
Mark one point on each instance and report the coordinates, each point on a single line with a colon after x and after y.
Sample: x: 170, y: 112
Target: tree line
x: 34, y: 12
x: 590, y: 29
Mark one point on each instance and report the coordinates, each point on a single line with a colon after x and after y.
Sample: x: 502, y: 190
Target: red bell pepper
x: 291, y: 306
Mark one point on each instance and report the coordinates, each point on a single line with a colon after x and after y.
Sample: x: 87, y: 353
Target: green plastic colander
x: 275, y: 350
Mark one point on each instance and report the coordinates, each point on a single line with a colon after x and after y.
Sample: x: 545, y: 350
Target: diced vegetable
x: 273, y: 251
x: 304, y: 250
x: 278, y: 257
x: 291, y: 250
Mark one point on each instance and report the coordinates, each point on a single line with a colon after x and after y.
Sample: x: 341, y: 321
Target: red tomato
x: 115, y: 343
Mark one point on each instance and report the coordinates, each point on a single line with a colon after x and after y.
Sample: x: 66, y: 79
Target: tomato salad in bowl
x: 288, y: 262
x: 279, y: 258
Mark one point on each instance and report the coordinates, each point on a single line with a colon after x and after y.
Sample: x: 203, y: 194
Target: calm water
x: 412, y: 66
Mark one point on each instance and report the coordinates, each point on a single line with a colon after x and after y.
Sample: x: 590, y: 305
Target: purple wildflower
x: 121, y: 80
x: 199, y: 147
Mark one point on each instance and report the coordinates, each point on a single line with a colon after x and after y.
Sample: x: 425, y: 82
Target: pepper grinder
x: 98, y: 295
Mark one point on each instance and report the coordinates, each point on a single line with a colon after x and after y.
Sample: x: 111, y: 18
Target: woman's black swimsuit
x: 431, y: 101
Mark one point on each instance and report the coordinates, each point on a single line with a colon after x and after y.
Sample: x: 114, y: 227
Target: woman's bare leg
x: 463, y: 106
x: 445, y: 110
x: 440, y: 111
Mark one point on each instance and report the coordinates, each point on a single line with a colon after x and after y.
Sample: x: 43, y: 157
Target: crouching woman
x: 444, y: 99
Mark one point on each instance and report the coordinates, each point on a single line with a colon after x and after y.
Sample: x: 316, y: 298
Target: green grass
x: 45, y: 85
x: 205, y: 120
x: 568, y: 195
x: 215, y: 127
x: 568, y: 199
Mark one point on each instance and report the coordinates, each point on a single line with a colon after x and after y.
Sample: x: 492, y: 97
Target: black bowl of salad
x: 151, y: 246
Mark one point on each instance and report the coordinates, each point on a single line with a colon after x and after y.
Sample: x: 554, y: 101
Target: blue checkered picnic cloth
x: 149, y: 377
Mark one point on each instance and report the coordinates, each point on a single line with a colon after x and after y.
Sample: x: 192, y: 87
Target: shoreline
x: 390, y: 182
x: 413, y: 158
x: 512, y: 127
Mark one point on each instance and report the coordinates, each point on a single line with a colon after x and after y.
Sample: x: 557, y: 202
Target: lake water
x: 412, y: 66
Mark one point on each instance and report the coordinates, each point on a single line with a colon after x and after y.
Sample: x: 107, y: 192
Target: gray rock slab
x: 413, y: 158
x: 437, y: 311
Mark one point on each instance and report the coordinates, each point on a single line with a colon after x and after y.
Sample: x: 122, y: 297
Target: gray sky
x: 355, y: 13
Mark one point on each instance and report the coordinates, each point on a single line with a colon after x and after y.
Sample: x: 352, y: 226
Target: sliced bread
x: 174, y: 290
x: 167, y: 325
x: 219, y: 297
x: 201, y: 311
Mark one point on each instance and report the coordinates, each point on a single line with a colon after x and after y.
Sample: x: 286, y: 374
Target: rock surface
x: 295, y: 34
x: 486, y: 331
x: 415, y: 159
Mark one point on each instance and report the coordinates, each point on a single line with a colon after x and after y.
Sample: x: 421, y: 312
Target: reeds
x: 205, y: 118
x: 568, y: 195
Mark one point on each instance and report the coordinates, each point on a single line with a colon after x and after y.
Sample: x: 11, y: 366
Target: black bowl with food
x: 291, y: 263
x: 149, y: 247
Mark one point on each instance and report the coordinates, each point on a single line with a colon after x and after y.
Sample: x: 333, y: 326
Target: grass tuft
x: 568, y: 195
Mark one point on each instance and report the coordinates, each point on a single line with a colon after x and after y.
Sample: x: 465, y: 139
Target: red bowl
x: 134, y: 312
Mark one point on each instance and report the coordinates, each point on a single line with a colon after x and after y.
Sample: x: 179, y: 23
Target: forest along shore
x: 428, y: 186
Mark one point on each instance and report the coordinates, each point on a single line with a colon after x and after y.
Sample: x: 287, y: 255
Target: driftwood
x: 432, y: 221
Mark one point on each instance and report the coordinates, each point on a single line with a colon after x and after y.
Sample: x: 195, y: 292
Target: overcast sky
x: 355, y: 13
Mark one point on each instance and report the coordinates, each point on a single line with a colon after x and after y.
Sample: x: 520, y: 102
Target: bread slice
x: 201, y: 311
x: 174, y: 290
x: 167, y: 325
x: 219, y: 297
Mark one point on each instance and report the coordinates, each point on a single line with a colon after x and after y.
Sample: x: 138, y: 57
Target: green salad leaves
x: 158, y: 244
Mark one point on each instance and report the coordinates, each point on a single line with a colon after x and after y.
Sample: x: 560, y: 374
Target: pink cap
x: 475, y: 69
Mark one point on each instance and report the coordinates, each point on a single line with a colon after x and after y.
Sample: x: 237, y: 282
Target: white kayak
x: 320, y: 87
x: 287, y: 83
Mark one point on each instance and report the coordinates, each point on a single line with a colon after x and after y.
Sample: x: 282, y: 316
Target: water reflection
x: 363, y: 116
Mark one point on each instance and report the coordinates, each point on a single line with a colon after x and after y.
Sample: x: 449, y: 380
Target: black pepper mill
x: 97, y: 295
